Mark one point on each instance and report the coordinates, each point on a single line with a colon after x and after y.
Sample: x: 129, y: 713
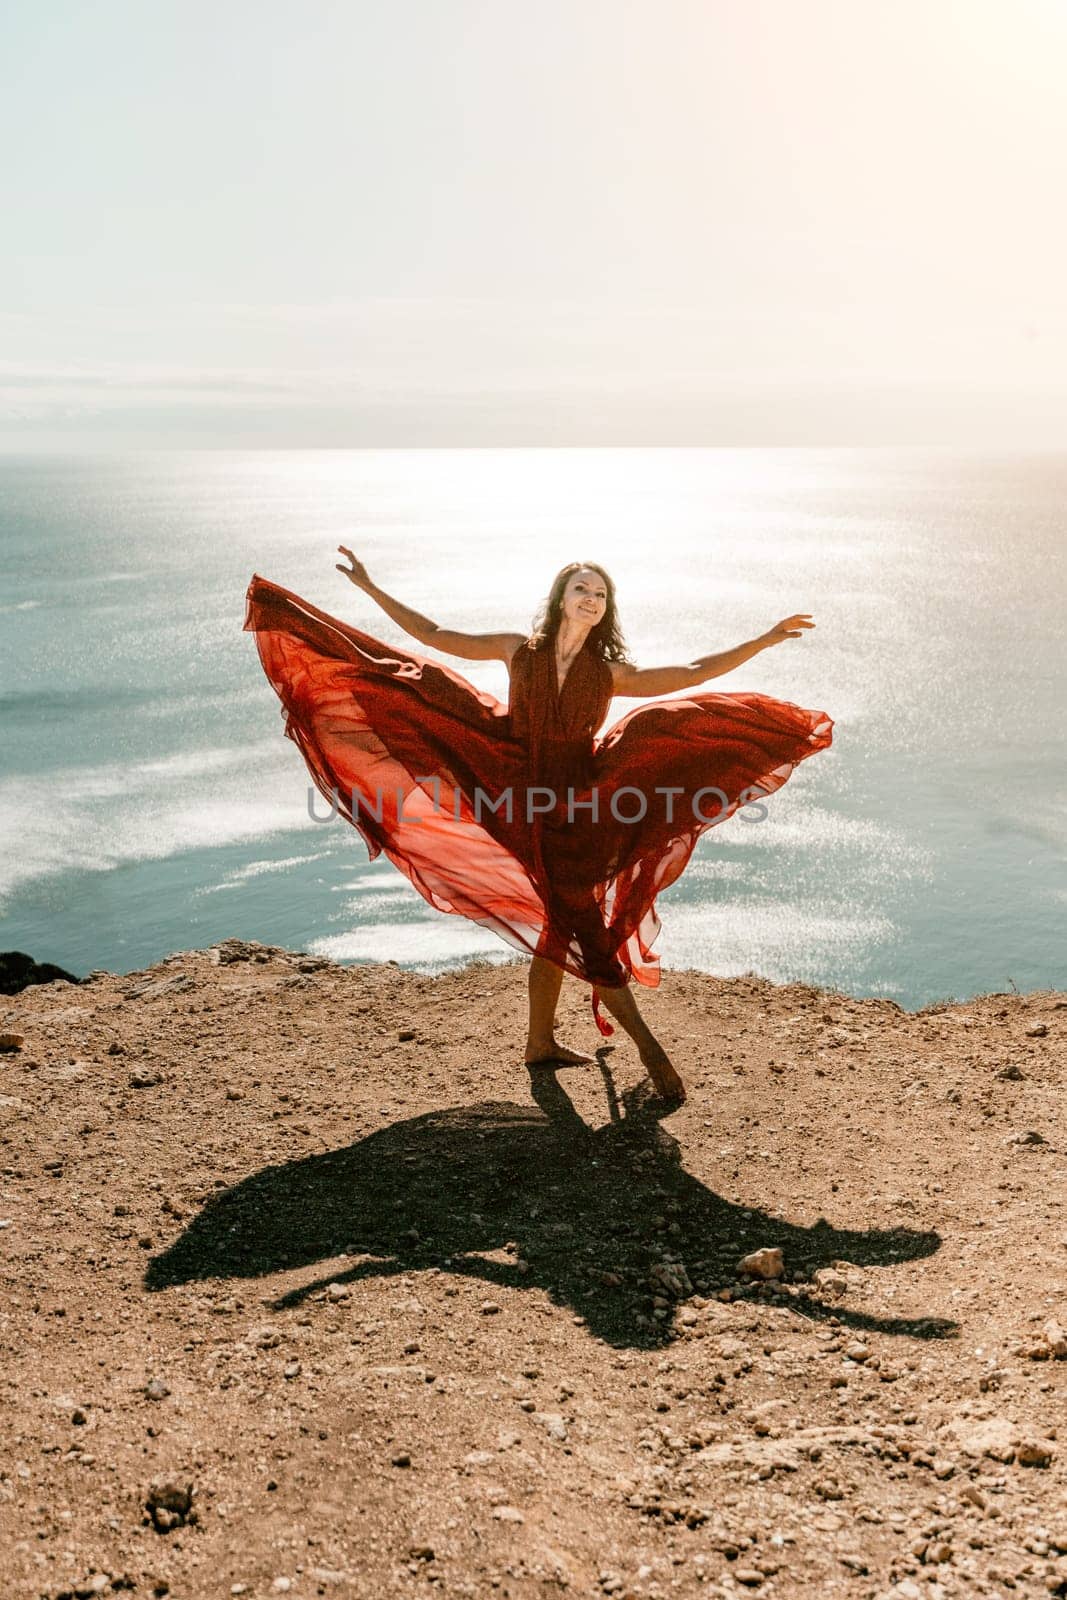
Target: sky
x: 576, y: 222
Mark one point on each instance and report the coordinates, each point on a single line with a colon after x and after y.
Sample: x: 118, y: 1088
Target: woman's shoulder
x: 522, y: 653
x: 617, y: 670
x: 523, y: 645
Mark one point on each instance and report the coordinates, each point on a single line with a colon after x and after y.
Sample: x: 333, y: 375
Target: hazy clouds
x: 477, y: 221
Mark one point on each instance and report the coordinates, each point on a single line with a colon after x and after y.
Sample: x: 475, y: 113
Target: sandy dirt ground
x: 311, y: 1288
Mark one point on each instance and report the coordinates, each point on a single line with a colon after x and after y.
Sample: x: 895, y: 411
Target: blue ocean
x: 149, y: 801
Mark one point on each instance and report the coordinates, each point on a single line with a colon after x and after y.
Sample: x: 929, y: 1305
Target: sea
x: 150, y: 803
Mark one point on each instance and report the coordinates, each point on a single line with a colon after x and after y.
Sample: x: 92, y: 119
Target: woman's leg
x: 655, y: 1060
x: 546, y: 980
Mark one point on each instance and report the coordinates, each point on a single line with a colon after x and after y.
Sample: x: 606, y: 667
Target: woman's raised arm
x: 470, y: 646
x: 640, y: 681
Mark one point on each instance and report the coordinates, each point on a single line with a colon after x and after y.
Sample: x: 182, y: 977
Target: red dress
x: 517, y: 816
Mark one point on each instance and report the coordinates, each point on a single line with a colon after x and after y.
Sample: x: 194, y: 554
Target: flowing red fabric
x: 423, y: 765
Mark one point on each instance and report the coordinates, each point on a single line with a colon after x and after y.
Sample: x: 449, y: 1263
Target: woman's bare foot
x: 550, y: 1051
x: 657, y: 1064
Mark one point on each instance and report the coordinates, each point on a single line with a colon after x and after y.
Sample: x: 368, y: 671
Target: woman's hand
x: 790, y: 628
x: 356, y: 573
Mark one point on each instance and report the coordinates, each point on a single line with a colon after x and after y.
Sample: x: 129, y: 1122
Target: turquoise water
x: 149, y: 801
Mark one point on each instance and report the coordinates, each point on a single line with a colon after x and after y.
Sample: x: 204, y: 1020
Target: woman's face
x: 585, y: 598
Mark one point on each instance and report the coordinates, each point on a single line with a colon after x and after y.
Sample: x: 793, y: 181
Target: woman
x: 524, y: 827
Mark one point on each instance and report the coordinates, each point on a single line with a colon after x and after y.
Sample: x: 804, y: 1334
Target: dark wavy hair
x: 606, y: 638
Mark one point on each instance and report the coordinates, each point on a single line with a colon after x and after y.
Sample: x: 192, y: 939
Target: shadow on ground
x: 563, y: 1202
